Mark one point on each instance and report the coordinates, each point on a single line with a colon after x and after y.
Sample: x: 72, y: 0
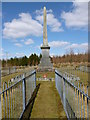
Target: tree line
x: 69, y: 58
x: 34, y: 59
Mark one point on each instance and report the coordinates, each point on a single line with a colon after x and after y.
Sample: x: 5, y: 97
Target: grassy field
x: 47, y: 103
x: 82, y: 75
x: 8, y: 77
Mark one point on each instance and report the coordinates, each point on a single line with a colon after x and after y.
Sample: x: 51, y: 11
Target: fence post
x: 87, y: 105
x: 81, y: 101
x: 24, y: 94
x: 64, y: 98
x: 74, y: 99
x: 78, y: 102
x: 56, y: 79
x: 0, y: 95
x: 35, y: 78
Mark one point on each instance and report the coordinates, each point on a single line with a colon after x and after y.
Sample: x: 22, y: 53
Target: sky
x: 22, y: 28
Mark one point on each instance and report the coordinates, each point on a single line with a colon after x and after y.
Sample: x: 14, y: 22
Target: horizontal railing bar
x: 17, y: 82
x: 11, y: 86
x: 71, y: 84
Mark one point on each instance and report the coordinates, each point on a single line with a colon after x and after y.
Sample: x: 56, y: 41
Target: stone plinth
x: 45, y: 63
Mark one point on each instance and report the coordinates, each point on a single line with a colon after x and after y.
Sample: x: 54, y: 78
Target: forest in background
x: 34, y: 59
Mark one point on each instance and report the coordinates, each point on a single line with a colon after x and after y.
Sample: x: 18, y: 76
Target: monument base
x: 45, y: 64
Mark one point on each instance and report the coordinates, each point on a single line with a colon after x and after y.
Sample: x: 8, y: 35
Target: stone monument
x: 45, y: 63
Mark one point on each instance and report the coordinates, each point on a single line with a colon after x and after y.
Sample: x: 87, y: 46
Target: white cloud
x: 78, y: 16
x: 82, y: 46
x: 81, y: 0
x: 52, y: 21
x: 1, y: 52
x: 29, y: 41
x: 73, y: 46
x: 22, y: 40
x: 3, y: 55
x: 40, y: 12
x: 22, y: 27
x: 19, y: 54
x: 58, y: 43
x: 1, y: 49
x: 18, y: 44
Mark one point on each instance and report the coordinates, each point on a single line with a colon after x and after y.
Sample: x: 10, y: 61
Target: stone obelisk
x: 45, y: 63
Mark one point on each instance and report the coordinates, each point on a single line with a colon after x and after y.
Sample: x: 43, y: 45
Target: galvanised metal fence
x: 9, y: 70
x: 0, y: 96
x: 15, y: 96
x: 75, y: 101
x: 84, y: 68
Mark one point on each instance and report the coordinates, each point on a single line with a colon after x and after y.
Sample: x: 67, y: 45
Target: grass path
x: 47, y: 103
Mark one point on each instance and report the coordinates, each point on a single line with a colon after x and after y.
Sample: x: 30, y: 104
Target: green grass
x: 47, y: 103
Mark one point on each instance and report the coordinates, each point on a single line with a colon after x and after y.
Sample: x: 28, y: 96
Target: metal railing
x: 10, y: 70
x: 0, y: 96
x: 75, y: 101
x: 15, y: 97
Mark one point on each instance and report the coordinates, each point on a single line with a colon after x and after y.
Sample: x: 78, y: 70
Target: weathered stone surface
x: 45, y: 41
x: 45, y: 63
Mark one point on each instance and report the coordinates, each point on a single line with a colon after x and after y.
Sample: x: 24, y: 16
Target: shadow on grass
x: 29, y: 107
